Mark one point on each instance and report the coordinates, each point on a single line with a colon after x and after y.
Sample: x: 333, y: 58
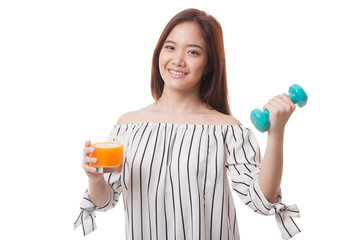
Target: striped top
x: 174, y: 183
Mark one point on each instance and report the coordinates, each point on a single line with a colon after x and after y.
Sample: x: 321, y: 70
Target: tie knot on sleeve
x: 290, y: 210
x: 284, y: 215
x: 87, y: 215
x: 86, y: 204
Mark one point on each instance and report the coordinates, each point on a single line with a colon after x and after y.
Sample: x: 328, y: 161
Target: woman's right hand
x: 90, y: 171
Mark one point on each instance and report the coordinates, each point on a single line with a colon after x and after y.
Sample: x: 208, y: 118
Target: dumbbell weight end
x: 297, y: 95
x: 260, y: 119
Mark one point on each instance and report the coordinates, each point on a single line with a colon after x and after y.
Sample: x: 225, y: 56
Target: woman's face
x: 183, y: 57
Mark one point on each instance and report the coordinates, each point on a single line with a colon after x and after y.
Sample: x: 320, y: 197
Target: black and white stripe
x: 174, y: 181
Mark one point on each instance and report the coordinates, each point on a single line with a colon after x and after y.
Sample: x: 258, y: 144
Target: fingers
x: 88, y: 168
x: 280, y: 104
x: 280, y: 108
x: 87, y: 160
x: 88, y: 151
x: 287, y: 100
x: 87, y: 164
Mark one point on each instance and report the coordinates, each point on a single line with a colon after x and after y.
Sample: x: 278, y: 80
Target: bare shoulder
x: 223, y: 119
x: 126, y: 118
x: 214, y: 117
x: 232, y: 121
x: 133, y: 116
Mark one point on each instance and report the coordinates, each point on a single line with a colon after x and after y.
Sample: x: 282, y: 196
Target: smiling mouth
x: 177, y: 73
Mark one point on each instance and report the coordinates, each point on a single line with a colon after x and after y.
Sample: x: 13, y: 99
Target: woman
x: 179, y: 148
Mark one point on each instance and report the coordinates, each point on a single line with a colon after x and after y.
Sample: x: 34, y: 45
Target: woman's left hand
x: 280, y: 108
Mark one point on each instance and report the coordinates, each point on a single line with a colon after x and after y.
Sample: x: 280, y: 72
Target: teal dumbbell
x: 260, y: 119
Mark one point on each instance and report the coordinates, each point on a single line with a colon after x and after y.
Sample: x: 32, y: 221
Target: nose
x: 178, y: 60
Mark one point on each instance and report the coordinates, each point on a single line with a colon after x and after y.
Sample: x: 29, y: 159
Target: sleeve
x: 243, y: 166
x: 87, y: 215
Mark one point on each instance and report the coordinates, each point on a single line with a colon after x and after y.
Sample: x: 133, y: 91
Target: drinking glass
x: 108, y: 152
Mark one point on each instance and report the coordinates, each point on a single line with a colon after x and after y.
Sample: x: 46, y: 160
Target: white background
x: 69, y: 69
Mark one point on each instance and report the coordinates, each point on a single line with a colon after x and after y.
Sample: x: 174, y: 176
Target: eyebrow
x: 189, y: 45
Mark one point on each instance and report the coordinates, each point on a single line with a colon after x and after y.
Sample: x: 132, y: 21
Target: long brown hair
x: 213, y: 87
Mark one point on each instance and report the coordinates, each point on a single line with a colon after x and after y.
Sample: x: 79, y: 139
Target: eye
x: 193, y: 52
x: 169, y: 47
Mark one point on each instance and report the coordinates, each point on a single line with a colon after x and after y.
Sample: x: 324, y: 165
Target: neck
x: 179, y: 102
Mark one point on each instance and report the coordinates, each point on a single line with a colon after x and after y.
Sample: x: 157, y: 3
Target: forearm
x: 272, y: 166
x: 98, y: 192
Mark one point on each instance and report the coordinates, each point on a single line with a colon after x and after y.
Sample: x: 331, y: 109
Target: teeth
x: 176, y: 73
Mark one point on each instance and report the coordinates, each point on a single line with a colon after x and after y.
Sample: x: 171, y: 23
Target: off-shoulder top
x: 175, y: 184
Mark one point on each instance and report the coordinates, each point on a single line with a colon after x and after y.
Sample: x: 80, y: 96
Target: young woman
x: 179, y: 148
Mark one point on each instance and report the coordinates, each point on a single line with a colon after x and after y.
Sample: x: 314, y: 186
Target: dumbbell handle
x: 261, y: 119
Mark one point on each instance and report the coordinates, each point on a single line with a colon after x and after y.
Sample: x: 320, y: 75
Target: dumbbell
x: 260, y: 119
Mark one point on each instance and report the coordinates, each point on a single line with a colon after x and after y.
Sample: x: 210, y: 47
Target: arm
x: 103, y: 190
x: 272, y: 167
x: 88, y: 207
x: 280, y: 107
x: 244, y: 164
x: 98, y: 192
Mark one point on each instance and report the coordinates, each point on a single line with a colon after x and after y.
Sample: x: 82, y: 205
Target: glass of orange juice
x: 108, y: 152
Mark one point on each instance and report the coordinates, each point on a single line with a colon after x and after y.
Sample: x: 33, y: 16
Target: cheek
x: 163, y: 60
x: 200, y: 68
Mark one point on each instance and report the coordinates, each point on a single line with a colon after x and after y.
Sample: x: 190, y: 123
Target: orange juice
x: 108, y: 154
